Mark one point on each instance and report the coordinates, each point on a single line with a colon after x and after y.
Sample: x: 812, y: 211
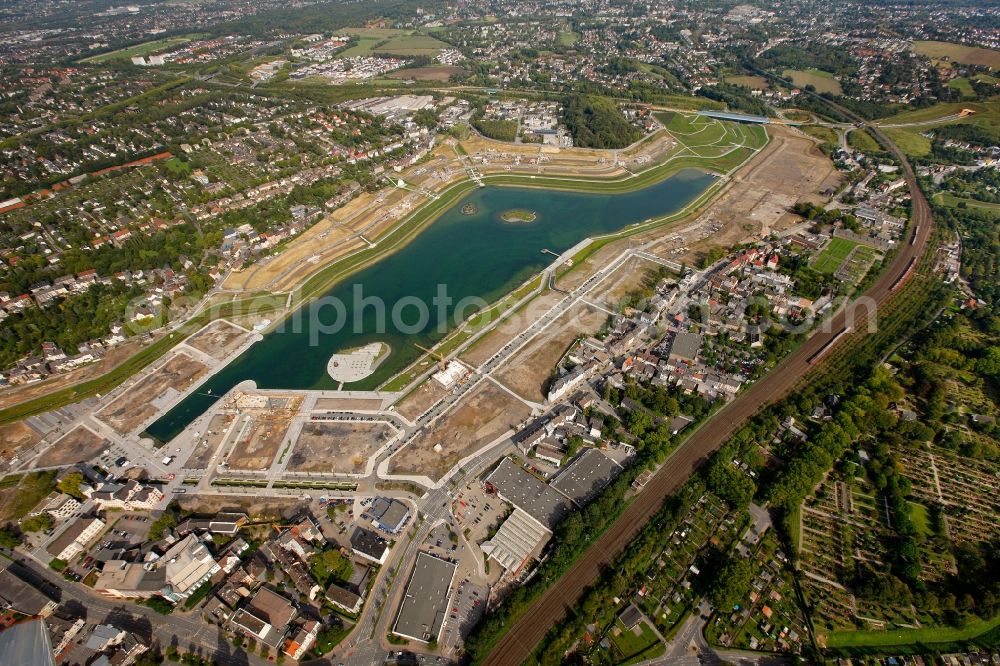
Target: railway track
x: 519, y: 642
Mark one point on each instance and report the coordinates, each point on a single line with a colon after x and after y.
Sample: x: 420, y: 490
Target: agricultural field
x: 833, y: 255
x: 752, y: 82
x: 411, y: 45
x: 434, y: 73
x: 824, y: 82
x: 967, y: 55
x: 909, y: 141
x: 907, y: 128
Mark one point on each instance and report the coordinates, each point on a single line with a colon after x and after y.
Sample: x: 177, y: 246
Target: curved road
x: 519, y: 642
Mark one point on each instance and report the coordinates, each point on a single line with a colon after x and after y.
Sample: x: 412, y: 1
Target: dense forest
x: 596, y: 122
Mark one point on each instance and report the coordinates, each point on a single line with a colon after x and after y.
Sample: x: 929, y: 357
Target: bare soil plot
x: 417, y: 402
x: 441, y: 73
x: 259, y: 443
x: 256, y: 508
x: 346, y: 404
x: 78, y: 445
x: 325, y: 446
x: 757, y: 201
x: 219, y: 339
x: 485, y: 414
x: 528, y: 371
x: 135, y: 406
x: 209, y: 441
x: 114, y: 357
x: 16, y: 436
x: 494, y: 341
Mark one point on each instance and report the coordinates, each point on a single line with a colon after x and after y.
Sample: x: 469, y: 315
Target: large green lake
x: 472, y: 255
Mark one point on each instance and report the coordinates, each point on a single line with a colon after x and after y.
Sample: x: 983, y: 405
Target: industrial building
x: 422, y: 613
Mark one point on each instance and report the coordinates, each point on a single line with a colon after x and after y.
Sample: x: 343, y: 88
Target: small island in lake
x: 518, y: 215
x: 469, y: 209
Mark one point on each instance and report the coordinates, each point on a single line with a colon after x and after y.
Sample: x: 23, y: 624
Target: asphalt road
x: 519, y: 642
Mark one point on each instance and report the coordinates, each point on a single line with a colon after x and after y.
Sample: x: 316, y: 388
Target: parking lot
x: 476, y: 512
x: 468, y: 603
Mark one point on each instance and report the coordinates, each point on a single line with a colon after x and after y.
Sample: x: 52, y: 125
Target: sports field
x: 143, y: 49
x: 967, y: 55
x: 833, y: 255
x: 822, y: 81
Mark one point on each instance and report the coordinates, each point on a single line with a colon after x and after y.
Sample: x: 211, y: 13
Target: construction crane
x: 433, y: 354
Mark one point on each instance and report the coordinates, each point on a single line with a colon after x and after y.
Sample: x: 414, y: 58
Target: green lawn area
x: 910, y: 141
x: 362, y: 48
x: 412, y: 45
x: 630, y: 644
x: 833, y: 255
x: 177, y: 167
x: 962, y: 85
x: 950, y: 200
x: 822, y: 81
x: 374, y: 33
x: 918, y: 516
x: 860, y: 139
x: 824, y: 134
x: 143, y: 49
x: 567, y: 38
x: 911, y: 636
x: 17, y: 500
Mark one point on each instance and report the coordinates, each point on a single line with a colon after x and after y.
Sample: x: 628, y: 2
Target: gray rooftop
x: 26, y: 644
x: 536, y: 498
x: 586, y: 476
x: 685, y: 345
x: 422, y: 612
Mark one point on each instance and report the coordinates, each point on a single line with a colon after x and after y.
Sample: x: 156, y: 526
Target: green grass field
x: 911, y: 636
x: 833, y: 255
x: 919, y: 518
x: 362, y: 48
x: 824, y: 134
x: 822, y: 81
x: 629, y: 644
x: 967, y: 55
x: 144, y: 49
x: 860, y: 139
x: 909, y: 141
x: 412, y: 45
x: 950, y: 200
x: 962, y: 85
x: 567, y: 38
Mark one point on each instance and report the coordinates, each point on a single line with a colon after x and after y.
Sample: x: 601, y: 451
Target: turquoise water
x: 476, y: 255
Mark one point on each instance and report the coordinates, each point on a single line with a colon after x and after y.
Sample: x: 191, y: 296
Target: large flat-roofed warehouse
x: 515, y: 541
x: 421, y: 615
x: 534, y: 497
x: 586, y: 476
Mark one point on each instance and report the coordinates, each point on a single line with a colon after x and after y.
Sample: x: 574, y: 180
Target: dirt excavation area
x: 528, y: 371
x: 758, y: 200
x: 261, y: 434
x: 482, y: 416
x: 138, y: 404
x: 16, y: 436
x: 219, y: 339
x: 209, y: 441
x: 420, y: 399
x: 333, y: 446
x: 78, y: 445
